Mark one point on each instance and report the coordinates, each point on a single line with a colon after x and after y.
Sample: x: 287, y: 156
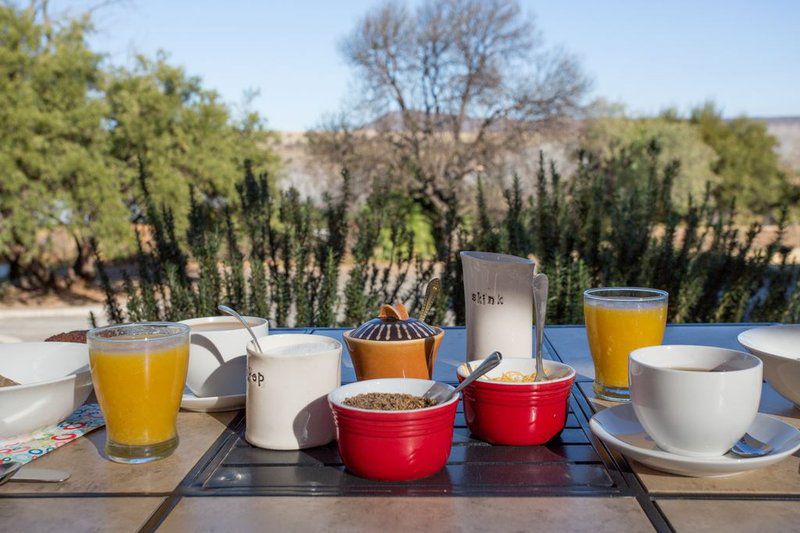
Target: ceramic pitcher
x: 498, y: 296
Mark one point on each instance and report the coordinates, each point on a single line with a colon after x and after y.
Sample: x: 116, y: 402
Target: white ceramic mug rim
x: 265, y: 340
x: 252, y: 321
x: 638, y: 354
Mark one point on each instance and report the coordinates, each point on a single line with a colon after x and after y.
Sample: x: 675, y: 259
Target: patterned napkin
x: 26, y: 448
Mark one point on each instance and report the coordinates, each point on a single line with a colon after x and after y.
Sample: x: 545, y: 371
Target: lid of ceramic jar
x: 393, y: 324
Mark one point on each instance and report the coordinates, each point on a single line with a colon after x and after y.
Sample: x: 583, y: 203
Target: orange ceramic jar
x: 393, y: 346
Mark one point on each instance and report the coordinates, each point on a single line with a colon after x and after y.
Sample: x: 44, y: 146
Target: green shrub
x: 613, y: 222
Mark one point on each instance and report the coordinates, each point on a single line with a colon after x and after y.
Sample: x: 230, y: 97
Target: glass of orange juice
x: 139, y: 371
x: 619, y: 320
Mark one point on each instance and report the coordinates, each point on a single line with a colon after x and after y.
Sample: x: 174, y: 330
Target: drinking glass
x: 139, y: 372
x: 618, y: 321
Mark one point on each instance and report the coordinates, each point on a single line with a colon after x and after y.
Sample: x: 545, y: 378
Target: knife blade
x: 40, y: 475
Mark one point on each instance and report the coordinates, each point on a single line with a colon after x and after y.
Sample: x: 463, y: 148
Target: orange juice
x: 140, y: 392
x: 618, y: 321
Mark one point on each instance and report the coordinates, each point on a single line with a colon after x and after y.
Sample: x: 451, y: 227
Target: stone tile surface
x: 76, y: 514
x: 731, y: 516
x: 93, y: 473
x: 782, y: 478
x: 407, y: 514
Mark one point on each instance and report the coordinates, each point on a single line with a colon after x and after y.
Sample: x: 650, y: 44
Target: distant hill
x: 301, y: 172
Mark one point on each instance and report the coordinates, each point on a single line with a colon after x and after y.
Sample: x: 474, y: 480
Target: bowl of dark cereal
x: 388, y: 431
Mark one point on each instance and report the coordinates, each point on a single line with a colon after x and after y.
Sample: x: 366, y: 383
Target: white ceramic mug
x: 287, y: 389
x: 498, y: 296
x: 700, y: 412
x: 218, y: 358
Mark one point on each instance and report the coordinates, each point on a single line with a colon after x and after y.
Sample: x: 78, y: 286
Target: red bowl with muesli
x: 381, y: 438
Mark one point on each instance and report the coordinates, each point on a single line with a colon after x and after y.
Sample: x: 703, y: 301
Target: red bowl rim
x: 369, y: 383
x: 460, y: 371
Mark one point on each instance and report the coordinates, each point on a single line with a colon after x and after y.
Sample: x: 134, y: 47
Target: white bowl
x: 778, y: 347
x: 218, y: 358
x: 54, y: 380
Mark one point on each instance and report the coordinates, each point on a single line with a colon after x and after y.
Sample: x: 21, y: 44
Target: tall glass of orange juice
x: 619, y: 320
x: 139, y: 371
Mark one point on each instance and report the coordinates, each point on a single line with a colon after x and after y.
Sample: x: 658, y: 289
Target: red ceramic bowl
x: 393, y: 445
x: 519, y: 414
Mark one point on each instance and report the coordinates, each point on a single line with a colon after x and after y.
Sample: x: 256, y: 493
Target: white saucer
x: 619, y: 429
x: 211, y: 404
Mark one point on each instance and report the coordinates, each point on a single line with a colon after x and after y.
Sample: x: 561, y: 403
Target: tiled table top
x: 216, y: 481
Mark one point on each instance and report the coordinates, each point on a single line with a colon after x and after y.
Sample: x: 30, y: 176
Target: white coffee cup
x: 700, y: 412
x: 287, y: 388
x: 218, y: 357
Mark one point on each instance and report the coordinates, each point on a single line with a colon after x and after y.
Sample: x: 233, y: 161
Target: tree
x: 165, y: 123
x: 75, y: 134
x: 52, y: 145
x: 678, y: 140
x: 448, y: 90
x: 747, y: 163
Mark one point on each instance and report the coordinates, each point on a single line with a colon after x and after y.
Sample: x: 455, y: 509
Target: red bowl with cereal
x: 386, y: 432
x: 506, y: 407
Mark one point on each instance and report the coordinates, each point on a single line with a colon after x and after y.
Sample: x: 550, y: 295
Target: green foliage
x: 677, y: 138
x: 612, y: 223
x: 164, y: 119
x: 76, y: 135
x: 746, y: 160
x: 290, y: 273
x: 53, y: 161
x: 737, y: 157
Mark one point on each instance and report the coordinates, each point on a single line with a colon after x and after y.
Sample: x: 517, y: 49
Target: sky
x: 745, y: 55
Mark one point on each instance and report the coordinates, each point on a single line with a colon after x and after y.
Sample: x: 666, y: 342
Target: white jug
x: 498, y: 299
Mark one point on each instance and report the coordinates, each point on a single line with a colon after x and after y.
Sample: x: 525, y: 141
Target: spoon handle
x: 431, y: 292
x: 540, y: 289
x: 489, y: 363
x: 227, y: 310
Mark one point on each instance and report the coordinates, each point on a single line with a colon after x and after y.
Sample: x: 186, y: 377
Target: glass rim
x: 94, y: 333
x: 649, y: 295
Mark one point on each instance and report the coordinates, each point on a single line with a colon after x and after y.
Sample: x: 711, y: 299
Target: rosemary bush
x: 271, y: 253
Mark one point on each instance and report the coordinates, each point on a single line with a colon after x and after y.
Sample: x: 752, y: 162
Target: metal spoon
x: 431, y: 292
x: 442, y: 395
x: 228, y: 310
x: 749, y: 446
x: 11, y: 472
x: 540, y: 288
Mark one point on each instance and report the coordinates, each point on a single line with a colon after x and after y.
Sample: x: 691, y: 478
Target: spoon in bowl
x: 442, y: 395
x: 227, y: 310
x: 431, y: 292
x: 540, y: 289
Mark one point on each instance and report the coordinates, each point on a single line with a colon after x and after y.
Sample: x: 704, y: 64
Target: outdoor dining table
x: 217, y: 481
